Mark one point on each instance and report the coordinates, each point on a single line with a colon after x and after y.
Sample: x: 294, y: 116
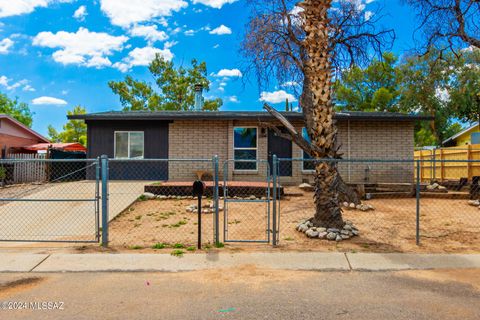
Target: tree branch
x: 293, y: 134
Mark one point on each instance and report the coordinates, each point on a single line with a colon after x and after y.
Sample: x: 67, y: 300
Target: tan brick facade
x: 359, y: 140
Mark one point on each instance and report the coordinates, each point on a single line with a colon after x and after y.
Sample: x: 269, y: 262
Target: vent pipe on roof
x: 198, y: 98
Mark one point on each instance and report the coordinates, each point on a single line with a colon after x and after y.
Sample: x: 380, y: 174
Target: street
x: 244, y: 292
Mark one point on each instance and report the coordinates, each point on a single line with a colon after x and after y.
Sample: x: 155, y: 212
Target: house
x: 235, y: 135
x: 470, y: 135
x: 14, y: 134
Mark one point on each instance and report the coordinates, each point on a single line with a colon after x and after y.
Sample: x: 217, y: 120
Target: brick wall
x: 367, y: 140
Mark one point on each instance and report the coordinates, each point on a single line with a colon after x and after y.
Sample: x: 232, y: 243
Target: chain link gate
x: 57, y: 200
x: 248, y: 202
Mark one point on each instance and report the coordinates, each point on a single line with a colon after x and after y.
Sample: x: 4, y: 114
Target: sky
x: 56, y: 54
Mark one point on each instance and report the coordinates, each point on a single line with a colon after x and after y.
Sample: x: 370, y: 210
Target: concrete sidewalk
x: 318, y: 261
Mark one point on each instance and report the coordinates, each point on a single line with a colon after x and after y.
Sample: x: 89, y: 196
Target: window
x: 129, y: 145
x: 245, y: 148
x: 307, y: 165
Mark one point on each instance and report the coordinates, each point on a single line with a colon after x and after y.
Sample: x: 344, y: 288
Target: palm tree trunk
x: 318, y: 111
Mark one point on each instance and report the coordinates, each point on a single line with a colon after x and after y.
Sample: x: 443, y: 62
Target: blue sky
x: 55, y: 54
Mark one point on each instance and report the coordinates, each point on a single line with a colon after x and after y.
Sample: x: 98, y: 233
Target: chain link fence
x: 45, y: 200
x: 396, y: 211
x: 146, y: 203
x: 151, y: 203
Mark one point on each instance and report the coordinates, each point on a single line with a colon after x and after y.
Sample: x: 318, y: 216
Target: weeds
x: 177, y: 253
x: 160, y: 246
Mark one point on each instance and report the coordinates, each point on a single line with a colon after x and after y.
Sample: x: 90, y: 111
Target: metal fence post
x: 104, y: 160
x: 97, y: 197
x: 417, y: 234
x: 274, y: 211
x: 215, y: 199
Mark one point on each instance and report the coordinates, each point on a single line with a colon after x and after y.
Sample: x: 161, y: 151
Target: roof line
x: 23, y: 126
x: 455, y: 136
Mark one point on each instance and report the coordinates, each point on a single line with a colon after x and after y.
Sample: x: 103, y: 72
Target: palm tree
x: 316, y: 100
x: 304, y: 44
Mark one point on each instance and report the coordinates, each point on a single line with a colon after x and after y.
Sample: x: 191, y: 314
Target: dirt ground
x: 446, y: 226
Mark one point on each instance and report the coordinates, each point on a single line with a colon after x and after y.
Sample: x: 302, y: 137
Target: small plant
x: 159, y: 246
x: 192, y: 248
x: 142, y: 198
x: 138, y: 217
x: 3, y: 176
x: 177, y: 253
x: 136, y: 247
x: 219, y: 245
x: 165, y: 226
x: 207, y: 247
x: 178, y: 246
x: 288, y: 239
x: 183, y: 222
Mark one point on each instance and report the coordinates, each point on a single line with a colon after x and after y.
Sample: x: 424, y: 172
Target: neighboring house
x: 470, y: 135
x: 240, y: 135
x: 14, y: 134
x: 67, y: 147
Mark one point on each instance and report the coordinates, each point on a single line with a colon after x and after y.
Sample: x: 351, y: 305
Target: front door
x: 283, y: 149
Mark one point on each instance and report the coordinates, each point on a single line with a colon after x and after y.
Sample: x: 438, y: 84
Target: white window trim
x: 128, y: 143
x: 303, y: 162
x: 256, y: 150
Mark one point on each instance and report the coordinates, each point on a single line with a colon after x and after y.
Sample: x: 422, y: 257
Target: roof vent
x: 198, y: 98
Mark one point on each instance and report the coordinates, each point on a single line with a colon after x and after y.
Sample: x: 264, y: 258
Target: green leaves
x: 175, y: 88
x: 374, y: 88
x: 18, y: 110
x: 73, y: 130
x: 443, y: 86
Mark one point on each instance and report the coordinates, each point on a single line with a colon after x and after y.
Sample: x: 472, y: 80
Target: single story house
x: 468, y: 136
x: 237, y: 135
x: 14, y: 134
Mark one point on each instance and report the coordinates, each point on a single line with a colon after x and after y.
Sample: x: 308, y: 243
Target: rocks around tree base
x: 332, y: 234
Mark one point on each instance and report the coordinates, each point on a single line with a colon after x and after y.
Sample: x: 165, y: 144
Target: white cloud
x: 276, y: 97
x: 28, y: 88
x: 233, y: 99
x: 217, y: 4
x: 368, y: 15
x: 83, y: 47
x: 124, y: 13
x: 290, y: 84
x: 80, y: 13
x: 189, y: 33
x: 229, y: 73
x: 150, y: 33
x: 142, y: 57
x: 10, y: 8
x: 48, y: 101
x: 5, y: 82
x: 216, y: 46
x: 222, y: 30
x: 5, y: 45
x: 98, y: 62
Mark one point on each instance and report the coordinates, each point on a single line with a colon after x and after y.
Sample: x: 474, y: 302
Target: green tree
x: 176, y: 88
x: 373, y: 88
x: 73, y: 130
x: 441, y: 86
x: 16, y: 109
x: 464, y: 86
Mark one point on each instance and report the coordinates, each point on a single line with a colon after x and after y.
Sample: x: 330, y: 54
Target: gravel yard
x: 446, y: 225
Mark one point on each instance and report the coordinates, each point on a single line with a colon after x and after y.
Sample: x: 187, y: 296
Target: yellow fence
x: 437, y: 167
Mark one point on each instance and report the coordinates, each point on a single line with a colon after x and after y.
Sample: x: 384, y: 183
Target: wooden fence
x: 28, y: 171
x: 437, y: 167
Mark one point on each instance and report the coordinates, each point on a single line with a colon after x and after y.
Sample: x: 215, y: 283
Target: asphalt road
x: 247, y: 293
